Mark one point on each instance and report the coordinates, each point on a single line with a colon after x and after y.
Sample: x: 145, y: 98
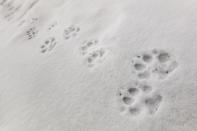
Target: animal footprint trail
x: 48, y: 45
x: 140, y: 95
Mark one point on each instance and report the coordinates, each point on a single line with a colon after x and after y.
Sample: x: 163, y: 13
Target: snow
x: 68, y: 65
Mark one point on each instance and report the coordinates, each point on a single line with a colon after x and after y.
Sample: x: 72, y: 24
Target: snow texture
x: 98, y: 65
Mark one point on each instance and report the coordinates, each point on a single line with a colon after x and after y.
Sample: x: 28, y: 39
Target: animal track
x: 135, y: 96
x: 52, y: 26
x: 96, y: 56
x: 156, y: 63
x: 71, y: 31
x: 88, y: 45
x: 48, y: 45
x: 31, y: 33
x: 93, y: 53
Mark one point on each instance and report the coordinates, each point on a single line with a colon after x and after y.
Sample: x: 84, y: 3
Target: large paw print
x: 48, y: 45
x: 156, y: 64
x: 70, y: 32
x: 136, y: 97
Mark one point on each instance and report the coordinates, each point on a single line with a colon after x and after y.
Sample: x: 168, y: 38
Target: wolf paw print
x: 136, y: 97
x: 154, y: 64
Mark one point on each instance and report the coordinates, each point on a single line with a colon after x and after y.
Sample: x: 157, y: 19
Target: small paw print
x: 88, y: 45
x: 70, y: 32
x: 48, y: 45
x: 96, y: 56
x: 153, y: 64
x: 93, y: 53
x: 31, y: 33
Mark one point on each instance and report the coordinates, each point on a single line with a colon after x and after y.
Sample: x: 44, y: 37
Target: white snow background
x: 66, y: 65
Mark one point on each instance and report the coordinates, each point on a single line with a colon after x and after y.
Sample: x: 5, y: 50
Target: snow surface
x: 98, y: 65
